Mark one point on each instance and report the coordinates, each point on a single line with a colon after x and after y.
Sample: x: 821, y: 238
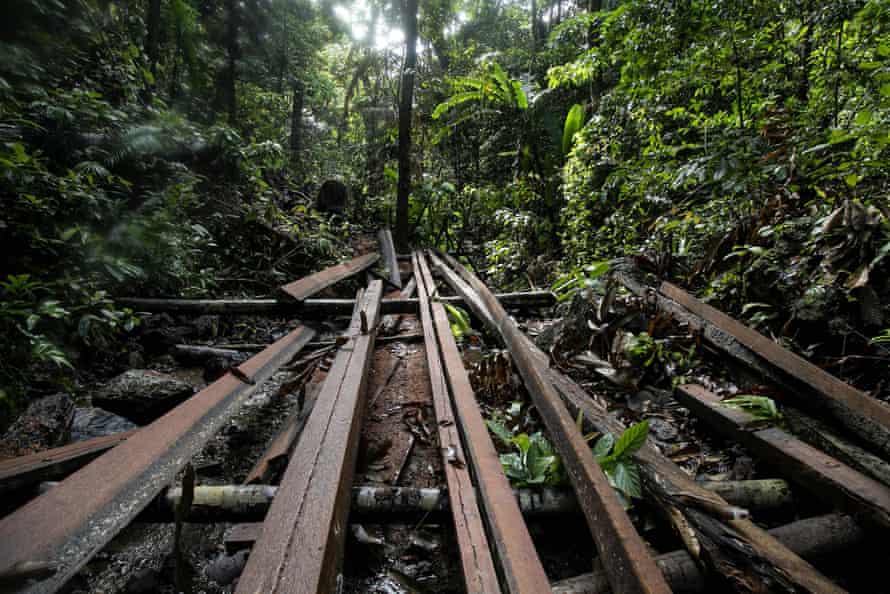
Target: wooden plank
x: 312, y: 284
x: 313, y: 308
x: 625, y: 556
x: 734, y: 550
x: 303, y: 535
x: 67, y: 525
x: 391, y: 322
x: 472, y: 542
x: 55, y: 464
x: 388, y: 250
x: 517, y: 557
x: 865, y: 498
x: 863, y: 415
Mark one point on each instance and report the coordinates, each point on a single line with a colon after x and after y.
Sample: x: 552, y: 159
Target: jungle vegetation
x: 153, y: 147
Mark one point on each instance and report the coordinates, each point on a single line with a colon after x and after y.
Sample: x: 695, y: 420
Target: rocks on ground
x: 142, y: 395
x: 46, y: 423
x: 90, y: 422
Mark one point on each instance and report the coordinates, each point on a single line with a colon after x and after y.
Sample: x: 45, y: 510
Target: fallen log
x: 312, y: 308
x: 812, y: 538
x: 719, y: 537
x: 825, y: 477
x: 307, y: 286
x: 388, y: 251
x: 302, y: 541
x: 250, y: 502
x: 519, y: 561
x: 628, y: 562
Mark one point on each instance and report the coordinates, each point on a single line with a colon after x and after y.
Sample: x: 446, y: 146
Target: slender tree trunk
x: 296, y: 124
x: 409, y: 24
x: 230, y: 74
x: 152, y: 44
x: 534, y: 24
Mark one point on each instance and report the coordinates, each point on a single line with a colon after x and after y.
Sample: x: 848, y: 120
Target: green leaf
x: 603, y: 446
x: 500, y: 430
x: 885, y: 90
x: 631, y: 440
x: 626, y: 478
x: 573, y: 123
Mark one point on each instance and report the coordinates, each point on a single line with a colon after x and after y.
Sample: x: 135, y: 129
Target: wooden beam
x: 391, y: 321
x: 389, y: 257
x: 55, y: 464
x: 865, y: 498
x: 310, y: 285
x: 313, y: 308
x: 625, y: 556
x: 302, y: 542
x: 734, y: 550
x: 67, y: 525
x: 472, y: 542
x: 863, y: 415
x: 516, y: 554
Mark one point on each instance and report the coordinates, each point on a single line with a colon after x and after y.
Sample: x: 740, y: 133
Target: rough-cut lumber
x: 312, y: 284
x: 812, y: 538
x: 388, y: 251
x: 274, y: 458
x: 736, y: 551
x: 303, y: 534
x: 824, y: 476
x: 518, y: 559
x: 819, y: 434
x: 55, y: 464
x: 66, y: 526
x: 863, y: 415
x: 623, y: 553
x: 472, y: 542
x: 312, y: 308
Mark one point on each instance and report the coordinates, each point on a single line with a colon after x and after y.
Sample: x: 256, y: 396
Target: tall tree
x: 409, y: 24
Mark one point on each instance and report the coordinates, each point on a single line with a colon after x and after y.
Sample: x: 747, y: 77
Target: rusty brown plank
x: 826, y: 477
x: 388, y: 250
x: 67, y: 525
x: 517, y: 557
x: 624, y: 555
x: 55, y: 464
x: 475, y: 553
x: 312, y: 284
x: 865, y: 416
x: 303, y: 535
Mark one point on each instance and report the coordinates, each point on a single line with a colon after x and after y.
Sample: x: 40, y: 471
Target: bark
x: 409, y: 24
x: 152, y: 43
x: 296, y: 124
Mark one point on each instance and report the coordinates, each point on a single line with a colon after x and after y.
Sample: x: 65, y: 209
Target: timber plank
x: 68, y: 524
x: 863, y: 497
x: 55, y: 464
x: 301, y: 545
x: 312, y: 284
x: 475, y: 553
x: 624, y: 555
x: 860, y: 413
x: 516, y: 553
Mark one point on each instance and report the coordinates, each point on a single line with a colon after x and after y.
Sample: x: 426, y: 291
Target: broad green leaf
x: 631, y: 440
x: 573, y: 123
x: 603, y: 446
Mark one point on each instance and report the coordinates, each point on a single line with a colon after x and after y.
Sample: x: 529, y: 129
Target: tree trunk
x: 152, y: 44
x: 229, y: 76
x: 409, y: 23
x: 296, y: 124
